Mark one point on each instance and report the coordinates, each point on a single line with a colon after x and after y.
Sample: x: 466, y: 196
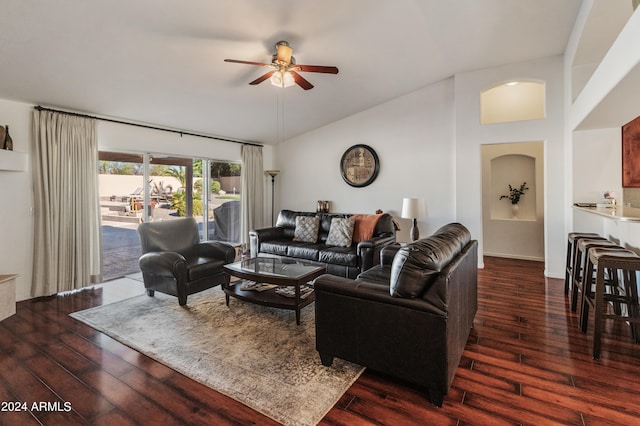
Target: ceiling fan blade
x: 301, y: 81
x: 317, y: 68
x: 236, y: 61
x: 262, y: 78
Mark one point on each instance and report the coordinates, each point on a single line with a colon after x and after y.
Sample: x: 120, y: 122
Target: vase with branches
x: 515, y: 193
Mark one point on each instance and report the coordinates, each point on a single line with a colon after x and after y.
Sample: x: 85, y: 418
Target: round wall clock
x: 359, y: 165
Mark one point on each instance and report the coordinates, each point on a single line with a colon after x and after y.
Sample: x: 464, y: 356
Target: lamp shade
x: 282, y: 79
x: 413, y: 208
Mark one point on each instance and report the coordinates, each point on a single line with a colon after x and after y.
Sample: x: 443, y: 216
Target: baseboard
x: 550, y: 275
x: 513, y: 256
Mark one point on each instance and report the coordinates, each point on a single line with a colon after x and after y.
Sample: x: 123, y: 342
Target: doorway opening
x: 507, y: 231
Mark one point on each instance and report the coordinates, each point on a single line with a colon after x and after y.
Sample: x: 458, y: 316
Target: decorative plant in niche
x: 515, y: 193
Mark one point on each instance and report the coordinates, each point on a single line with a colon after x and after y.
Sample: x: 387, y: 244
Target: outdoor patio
x: 121, y: 244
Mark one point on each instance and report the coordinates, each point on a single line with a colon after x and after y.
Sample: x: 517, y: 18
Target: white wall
x: 470, y: 135
x: 16, y: 220
x: 125, y: 138
x: 413, y: 137
x: 597, y: 159
x: 16, y: 224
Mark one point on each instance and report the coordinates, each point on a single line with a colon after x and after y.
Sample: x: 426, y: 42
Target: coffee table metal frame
x: 272, y: 271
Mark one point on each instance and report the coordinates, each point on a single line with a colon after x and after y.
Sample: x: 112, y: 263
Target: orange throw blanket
x: 365, y: 224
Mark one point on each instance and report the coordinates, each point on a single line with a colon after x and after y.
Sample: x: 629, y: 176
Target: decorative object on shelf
x: 609, y: 200
x: 413, y: 208
x: 515, y: 193
x: 323, y: 206
x: 8, y: 142
x: 273, y: 174
x: 359, y: 165
x: 514, y: 210
x: 514, y: 197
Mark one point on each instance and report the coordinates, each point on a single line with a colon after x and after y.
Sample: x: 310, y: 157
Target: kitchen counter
x: 621, y: 213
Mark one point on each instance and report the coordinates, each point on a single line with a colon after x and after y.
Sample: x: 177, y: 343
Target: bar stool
x: 571, y: 244
x: 623, y: 266
x: 580, y: 258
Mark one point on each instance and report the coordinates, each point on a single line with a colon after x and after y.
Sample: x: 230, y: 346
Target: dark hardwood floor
x: 525, y: 363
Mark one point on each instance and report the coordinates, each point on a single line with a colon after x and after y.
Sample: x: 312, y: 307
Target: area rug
x: 253, y: 354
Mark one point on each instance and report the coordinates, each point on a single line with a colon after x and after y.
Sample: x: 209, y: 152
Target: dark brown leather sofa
x: 341, y: 261
x: 410, y: 316
x: 175, y: 262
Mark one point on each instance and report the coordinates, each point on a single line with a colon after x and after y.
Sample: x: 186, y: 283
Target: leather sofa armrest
x: 165, y: 263
x: 217, y: 250
x: 368, y: 250
x: 257, y: 236
x: 387, y: 253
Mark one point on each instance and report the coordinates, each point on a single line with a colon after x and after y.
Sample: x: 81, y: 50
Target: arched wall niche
x: 516, y: 100
x: 514, y: 170
x: 505, y: 235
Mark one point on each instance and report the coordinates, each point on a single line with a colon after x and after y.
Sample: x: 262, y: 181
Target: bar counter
x: 620, y: 213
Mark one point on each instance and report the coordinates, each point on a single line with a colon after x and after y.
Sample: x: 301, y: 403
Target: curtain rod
x: 145, y: 126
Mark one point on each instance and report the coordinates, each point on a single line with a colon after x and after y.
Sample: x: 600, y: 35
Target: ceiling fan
x: 285, y: 70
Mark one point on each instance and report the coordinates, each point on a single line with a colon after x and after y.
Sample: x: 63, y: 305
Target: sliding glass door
x: 175, y: 187
x: 121, y: 189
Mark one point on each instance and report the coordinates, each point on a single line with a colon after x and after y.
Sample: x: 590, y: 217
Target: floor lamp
x: 273, y: 174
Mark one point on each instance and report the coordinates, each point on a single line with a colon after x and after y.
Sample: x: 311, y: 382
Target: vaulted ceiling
x: 161, y: 61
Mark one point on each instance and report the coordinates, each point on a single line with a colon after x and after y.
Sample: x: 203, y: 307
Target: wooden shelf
x: 13, y: 161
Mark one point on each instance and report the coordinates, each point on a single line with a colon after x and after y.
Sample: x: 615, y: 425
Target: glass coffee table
x: 276, y: 282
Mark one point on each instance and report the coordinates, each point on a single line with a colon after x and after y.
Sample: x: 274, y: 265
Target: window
x: 513, y: 101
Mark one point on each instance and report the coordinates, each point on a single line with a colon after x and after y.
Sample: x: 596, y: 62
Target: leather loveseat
x: 346, y: 261
x: 410, y: 316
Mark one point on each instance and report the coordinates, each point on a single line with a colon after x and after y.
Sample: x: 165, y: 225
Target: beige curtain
x: 67, y: 235
x: 252, y: 209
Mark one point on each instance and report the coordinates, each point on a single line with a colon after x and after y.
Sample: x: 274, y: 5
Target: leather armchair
x: 175, y: 262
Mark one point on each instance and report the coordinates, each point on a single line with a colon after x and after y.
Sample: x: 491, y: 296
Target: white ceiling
x: 161, y: 61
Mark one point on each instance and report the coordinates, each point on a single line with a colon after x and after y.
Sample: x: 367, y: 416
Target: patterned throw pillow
x: 306, y: 229
x: 341, y: 231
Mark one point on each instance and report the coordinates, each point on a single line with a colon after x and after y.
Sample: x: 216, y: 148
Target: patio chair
x: 227, y: 222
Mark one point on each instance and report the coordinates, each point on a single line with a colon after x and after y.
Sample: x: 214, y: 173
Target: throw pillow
x: 306, y: 229
x: 341, y: 231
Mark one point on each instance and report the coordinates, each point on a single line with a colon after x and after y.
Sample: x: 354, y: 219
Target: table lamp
x: 413, y: 208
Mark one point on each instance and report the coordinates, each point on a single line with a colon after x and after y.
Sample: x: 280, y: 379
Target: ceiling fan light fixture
x: 284, y: 51
x: 284, y: 70
x: 282, y: 79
